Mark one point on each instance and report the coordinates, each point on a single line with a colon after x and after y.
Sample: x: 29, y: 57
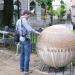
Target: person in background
x: 24, y: 29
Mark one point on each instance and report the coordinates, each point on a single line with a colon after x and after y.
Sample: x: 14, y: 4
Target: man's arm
x: 29, y: 28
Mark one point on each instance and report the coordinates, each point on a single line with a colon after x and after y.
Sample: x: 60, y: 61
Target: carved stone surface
x: 56, y: 46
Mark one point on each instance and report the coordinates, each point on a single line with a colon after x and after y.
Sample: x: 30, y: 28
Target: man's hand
x: 39, y: 33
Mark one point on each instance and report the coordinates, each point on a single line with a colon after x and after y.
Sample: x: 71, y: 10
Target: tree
x: 47, y: 4
x: 60, y: 11
x: 8, y: 13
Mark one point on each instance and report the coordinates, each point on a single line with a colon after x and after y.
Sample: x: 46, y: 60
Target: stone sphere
x: 56, y: 46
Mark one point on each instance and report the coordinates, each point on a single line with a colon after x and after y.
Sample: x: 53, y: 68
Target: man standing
x: 24, y: 30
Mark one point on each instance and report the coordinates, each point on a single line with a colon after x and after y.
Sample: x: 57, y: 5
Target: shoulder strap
x: 23, y: 27
x: 22, y: 24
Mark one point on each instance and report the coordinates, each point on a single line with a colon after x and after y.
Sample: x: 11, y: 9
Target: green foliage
x: 54, y: 12
x: 60, y: 11
x: 40, y: 2
x: 46, y: 3
x: 73, y: 62
x: 33, y: 42
x: 50, y: 11
x: 33, y: 38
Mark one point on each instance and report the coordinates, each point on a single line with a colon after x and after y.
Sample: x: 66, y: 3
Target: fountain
x: 56, y: 46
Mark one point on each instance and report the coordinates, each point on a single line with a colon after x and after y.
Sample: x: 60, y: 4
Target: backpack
x: 16, y: 34
x: 23, y: 30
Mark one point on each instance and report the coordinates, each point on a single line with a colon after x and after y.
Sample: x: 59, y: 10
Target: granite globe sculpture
x: 56, y: 46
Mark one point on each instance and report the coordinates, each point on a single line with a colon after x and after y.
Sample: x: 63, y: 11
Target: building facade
x: 73, y: 11
x: 33, y: 6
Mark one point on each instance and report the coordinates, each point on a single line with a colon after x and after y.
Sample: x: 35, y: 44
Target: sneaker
x: 25, y: 73
x: 21, y: 70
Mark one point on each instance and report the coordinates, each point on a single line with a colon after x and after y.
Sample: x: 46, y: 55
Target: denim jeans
x: 24, y: 55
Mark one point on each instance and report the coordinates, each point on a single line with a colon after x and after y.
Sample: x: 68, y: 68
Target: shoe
x: 22, y: 70
x: 25, y: 73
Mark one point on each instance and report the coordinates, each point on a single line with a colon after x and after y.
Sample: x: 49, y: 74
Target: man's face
x: 27, y: 16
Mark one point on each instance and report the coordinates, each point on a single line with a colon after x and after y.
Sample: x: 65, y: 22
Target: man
x: 24, y: 29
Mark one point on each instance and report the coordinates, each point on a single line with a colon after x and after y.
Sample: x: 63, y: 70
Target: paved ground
x: 9, y: 65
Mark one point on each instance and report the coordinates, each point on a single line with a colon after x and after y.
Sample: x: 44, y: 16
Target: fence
x: 9, y: 42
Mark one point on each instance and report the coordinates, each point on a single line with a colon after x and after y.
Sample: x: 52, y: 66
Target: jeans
x: 25, y: 55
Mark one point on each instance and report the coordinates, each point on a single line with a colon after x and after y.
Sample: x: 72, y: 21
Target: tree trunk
x: 8, y: 13
x: 51, y: 17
